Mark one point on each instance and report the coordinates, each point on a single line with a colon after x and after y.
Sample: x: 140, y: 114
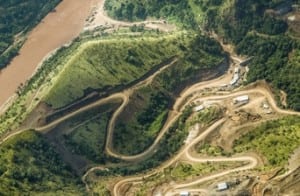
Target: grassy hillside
x: 85, y: 134
x: 143, y: 118
x: 105, y: 64
x: 19, y: 16
x: 247, y: 24
x: 282, y: 135
x: 29, y: 166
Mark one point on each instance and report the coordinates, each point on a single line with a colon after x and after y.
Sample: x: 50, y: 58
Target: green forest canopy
x: 29, y: 165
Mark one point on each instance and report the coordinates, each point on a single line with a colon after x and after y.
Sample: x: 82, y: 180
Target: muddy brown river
x: 56, y: 29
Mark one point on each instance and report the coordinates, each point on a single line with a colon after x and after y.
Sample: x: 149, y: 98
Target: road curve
x: 178, y: 111
x: 252, y: 160
x: 124, y: 96
x: 110, y: 130
x: 89, y: 171
x: 171, y: 161
x: 252, y: 163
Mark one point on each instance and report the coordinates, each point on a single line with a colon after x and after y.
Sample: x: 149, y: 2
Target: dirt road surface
x: 100, y: 18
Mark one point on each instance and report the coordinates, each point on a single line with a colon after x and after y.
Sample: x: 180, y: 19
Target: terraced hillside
x: 17, y: 18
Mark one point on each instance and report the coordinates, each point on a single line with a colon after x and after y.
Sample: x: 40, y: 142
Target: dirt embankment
x: 56, y: 29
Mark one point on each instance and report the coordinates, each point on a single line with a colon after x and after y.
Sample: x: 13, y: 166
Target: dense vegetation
x: 208, y: 115
x: 282, y: 135
x: 28, y: 165
x: 168, y: 146
x: 264, y: 36
x: 245, y: 16
x: 85, y: 134
x: 277, y: 60
x: 250, y: 25
x: 104, y: 65
x: 177, y: 10
x: 147, y: 111
x: 141, y: 121
x: 18, y: 17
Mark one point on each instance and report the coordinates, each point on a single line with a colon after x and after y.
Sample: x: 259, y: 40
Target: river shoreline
x: 55, y: 30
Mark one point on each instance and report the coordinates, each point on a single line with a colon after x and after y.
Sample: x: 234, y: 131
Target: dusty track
x: 171, y: 161
x: 175, y: 189
x: 185, y: 151
x: 124, y: 96
x: 178, y: 107
x: 101, y: 19
x: 127, y: 93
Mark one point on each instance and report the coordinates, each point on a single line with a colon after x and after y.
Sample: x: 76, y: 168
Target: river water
x: 56, y: 29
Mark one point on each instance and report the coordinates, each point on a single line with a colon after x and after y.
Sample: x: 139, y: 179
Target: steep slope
x: 29, y: 165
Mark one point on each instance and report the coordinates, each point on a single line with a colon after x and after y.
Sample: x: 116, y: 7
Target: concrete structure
x: 236, y: 70
x: 222, y: 186
x: 184, y: 193
x: 241, y: 99
x: 265, y: 106
x: 234, y: 79
x: 199, y: 108
x: 193, y: 132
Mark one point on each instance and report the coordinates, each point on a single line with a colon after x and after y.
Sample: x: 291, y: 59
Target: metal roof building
x: 222, y: 186
x: 241, y: 99
x: 184, y: 193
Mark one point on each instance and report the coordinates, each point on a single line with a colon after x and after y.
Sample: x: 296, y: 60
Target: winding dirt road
x: 252, y: 160
x: 178, y: 107
x: 124, y: 96
x: 183, y: 151
x: 175, y: 189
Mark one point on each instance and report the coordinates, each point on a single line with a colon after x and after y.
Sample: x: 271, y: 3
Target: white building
x: 241, y: 99
x: 236, y: 70
x: 222, y: 186
x: 234, y: 79
x: 184, y: 193
x: 199, y: 108
x: 265, y: 106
